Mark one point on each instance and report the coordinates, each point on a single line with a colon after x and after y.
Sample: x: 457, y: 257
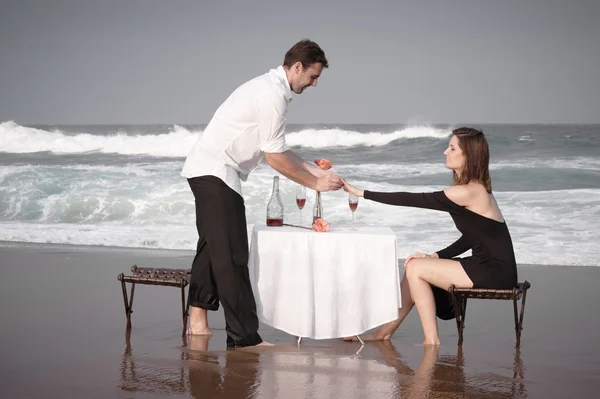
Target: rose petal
x: 323, y: 163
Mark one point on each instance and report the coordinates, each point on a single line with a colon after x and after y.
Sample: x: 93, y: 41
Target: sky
x: 150, y: 61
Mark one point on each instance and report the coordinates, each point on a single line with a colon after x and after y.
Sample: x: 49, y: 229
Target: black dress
x: 492, y: 264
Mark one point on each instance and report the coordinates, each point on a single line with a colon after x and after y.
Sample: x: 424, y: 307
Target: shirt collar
x: 281, y: 78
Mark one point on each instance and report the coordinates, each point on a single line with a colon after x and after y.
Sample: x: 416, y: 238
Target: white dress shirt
x: 250, y: 122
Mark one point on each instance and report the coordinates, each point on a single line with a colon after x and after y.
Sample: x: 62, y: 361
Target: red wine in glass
x: 353, y: 204
x: 300, y: 198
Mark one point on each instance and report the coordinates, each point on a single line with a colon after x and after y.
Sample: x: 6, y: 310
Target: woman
x: 475, y: 212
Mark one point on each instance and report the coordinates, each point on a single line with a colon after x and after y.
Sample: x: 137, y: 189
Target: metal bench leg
x: 519, y: 324
x: 128, y: 304
x: 463, y: 310
x: 517, y: 327
x: 460, y: 310
x: 186, y: 312
x: 183, y: 309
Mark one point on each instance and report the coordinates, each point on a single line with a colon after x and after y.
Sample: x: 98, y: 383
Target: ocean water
x: 120, y: 185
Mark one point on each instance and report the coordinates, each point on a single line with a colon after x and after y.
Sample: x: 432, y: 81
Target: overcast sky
x: 171, y: 61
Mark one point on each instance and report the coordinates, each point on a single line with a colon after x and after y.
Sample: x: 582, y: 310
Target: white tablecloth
x: 324, y: 285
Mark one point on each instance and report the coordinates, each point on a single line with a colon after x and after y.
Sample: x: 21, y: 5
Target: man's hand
x: 329, y: 182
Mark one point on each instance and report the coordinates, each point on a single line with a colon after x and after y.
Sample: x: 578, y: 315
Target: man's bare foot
x: 198, y: 322
x: 199, y: 342
x: 257, y: 347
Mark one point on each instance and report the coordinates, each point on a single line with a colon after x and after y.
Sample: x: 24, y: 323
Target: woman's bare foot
x: 383, y: 333
x: 431, y: 342
x: 375, y: 336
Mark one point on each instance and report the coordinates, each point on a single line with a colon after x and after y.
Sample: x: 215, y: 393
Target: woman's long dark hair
x: 476, y: 151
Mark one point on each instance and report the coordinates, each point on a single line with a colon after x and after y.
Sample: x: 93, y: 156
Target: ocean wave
x: 582, y: 163
x: 527, y: 138
x: 15, y: 138
x: 323, y: 138
x: 150, y: 205
x: 19, y: 139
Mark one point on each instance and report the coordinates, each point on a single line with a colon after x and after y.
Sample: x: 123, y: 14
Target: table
x: 324, y: 285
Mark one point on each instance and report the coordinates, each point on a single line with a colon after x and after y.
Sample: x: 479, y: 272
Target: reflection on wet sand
x: 228, y: 374
x: 161, y: 377
x: 447, y: 376
x: 323, y: 370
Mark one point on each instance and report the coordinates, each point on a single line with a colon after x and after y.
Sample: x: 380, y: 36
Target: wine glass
x: 353, y: 204
x: 300, y: 199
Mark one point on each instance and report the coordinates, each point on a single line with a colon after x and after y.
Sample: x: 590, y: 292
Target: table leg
x: 299, y: 340
x: 360, y: 340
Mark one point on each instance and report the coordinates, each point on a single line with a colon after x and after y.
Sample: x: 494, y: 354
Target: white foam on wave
x: 526, y: 138
x: 19, y: 139
x: 110, y: 234
x: 548, y: 228
x: 95, y: 193
x: 150, y: 205
x: 581, y: 163
x: 322, y: 138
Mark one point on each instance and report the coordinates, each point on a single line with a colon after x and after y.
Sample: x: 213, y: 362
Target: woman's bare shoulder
x: 461, y: 194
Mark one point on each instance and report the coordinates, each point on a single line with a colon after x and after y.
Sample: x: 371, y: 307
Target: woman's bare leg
x: 421, y: 272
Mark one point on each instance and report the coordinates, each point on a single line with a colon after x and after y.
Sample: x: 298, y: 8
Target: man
x: 250, y: 123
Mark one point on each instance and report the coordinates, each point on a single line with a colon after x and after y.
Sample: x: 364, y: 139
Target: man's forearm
x: 312, y: 169
x: 293, y: 167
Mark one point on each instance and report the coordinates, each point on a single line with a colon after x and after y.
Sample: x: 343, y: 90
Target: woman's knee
x: 412, y: 269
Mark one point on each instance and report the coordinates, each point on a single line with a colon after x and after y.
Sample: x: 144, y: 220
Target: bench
x: 460, y: 296
x: 156, y: 276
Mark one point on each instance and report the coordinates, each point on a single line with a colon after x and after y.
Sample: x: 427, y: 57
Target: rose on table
x: 321, y: 225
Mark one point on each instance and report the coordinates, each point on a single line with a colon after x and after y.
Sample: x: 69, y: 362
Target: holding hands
x: 350, y: 189
x: 329, y: 181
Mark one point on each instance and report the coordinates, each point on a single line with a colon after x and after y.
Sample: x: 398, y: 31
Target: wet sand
x: 63, y: 335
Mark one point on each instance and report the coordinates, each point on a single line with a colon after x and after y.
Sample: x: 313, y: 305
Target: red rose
x: 321, y: 225
x: 323, y: 163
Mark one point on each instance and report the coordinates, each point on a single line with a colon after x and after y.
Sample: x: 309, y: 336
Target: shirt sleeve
x: 436, y: 201
x: 459, y: 247
x: 272, y: 108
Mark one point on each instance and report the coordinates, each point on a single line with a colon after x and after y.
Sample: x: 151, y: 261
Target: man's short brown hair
x: 307, y: 52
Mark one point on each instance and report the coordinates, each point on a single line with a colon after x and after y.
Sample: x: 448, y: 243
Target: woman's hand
x: 350, y: 189
x: 420, y: 255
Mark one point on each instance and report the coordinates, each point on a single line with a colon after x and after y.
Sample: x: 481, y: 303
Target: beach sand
x: 63, y: 335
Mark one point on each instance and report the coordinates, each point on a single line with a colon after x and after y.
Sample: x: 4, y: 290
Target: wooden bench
x: 460, y: 296
x: 156, y: 276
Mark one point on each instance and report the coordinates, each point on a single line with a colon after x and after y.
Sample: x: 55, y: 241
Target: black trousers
x: 220, y: 268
